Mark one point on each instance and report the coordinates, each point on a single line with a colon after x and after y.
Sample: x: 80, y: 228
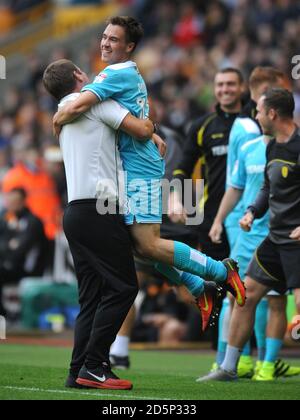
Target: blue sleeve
x: 107, y: 85
x: 239, y: 175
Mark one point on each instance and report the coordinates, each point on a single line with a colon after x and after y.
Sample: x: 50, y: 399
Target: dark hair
x: 281, y: 100
x: 232, y: 70
x: 262, y: 75
x: 133, y: 29
x: 19, y: 191
x: 59, y: 78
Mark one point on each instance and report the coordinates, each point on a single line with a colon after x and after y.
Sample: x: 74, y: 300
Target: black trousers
x: 9, y: 277
x: 101, y: 249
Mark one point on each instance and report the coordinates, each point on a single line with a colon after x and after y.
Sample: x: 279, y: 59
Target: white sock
x: 231, y: 360
x: 120, y: 347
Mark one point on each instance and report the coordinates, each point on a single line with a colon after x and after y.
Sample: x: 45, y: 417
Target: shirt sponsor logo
x: 220, y: 150
x: 100, y: 78
x: 255, y: 169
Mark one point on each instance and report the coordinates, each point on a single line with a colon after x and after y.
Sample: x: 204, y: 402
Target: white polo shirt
x: 90, y: 151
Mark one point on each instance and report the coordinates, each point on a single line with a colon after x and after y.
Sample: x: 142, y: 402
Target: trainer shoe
x: 284, y: 370
x: 71, y: 383
x: 246, y: 367
x: 214, y: 367
x: 258, y: 366
x: 266, y: 373
x: 119, y: 362
x: 219, y: 375
x: 234, y: 283
x: 209, y: 303
x: 102, y: 378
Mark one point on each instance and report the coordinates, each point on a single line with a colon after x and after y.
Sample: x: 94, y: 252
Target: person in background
x: 42, y: 198
x: 22, y: 242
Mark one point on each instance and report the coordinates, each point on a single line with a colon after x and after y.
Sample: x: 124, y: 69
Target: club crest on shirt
x: 285, y: 172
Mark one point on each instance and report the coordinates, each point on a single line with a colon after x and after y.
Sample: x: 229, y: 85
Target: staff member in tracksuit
x: 208, y: 140
x: 100, y: 243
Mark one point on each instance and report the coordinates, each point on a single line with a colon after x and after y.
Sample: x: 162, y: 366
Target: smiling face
x: 265, y: 118
x: 114, y: 45
x: 228, y: 90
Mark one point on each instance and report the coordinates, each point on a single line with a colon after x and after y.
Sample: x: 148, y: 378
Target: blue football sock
x: 223, y: 331
x: 179, y: 278
x: 261, y: 322
x: 247, y: 349
x: 189, y: 260
x: 274, y: 346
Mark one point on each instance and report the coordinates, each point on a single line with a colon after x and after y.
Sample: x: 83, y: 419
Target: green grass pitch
x: 38, y: 373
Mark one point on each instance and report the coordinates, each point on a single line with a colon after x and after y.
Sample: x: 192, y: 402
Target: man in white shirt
x: 100, y: 244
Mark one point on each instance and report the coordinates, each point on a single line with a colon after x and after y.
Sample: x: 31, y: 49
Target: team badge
x: 285, y: 172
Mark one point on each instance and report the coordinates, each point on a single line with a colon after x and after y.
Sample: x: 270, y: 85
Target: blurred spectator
x: 55, y: 168
x: 23, y: 244
x: 162, y: 316
x: 189, y: 28
x: 42, y: 198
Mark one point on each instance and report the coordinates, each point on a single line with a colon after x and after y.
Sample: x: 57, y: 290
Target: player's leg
x: 267, y: 269
x: 224, y: 322
x: 208, y: 296
x: 119, y: 351
x: 297, y: 299
x: 149, y: 244
x: 275, y: 335
x: 241, y: 328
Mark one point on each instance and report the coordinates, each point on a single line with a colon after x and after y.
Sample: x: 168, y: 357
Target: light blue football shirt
x: 124, y: 83
x: 248, y: 176
x: 244, y: 129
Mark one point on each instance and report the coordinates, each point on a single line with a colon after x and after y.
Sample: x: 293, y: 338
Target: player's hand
x: 295, y: 234
x: 176, y: 211
x: 247, y: 221
x: 160, y: 144
x: 216, y: 231
x: 56, y: 127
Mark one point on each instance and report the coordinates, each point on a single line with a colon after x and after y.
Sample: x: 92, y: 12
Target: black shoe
x: 118, y: 362
x: 102, y: 378
x: 210, y: 303
x: 71, y: 383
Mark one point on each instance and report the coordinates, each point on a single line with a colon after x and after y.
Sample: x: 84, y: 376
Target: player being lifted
x: 144, y: 167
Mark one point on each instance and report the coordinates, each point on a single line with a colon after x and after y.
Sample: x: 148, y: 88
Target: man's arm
x: 137, y: 128
x: 296, y: 234
x: 259, y: 208
x: 192, y: 152
x: 229, y: 202
x: 261, y: 205
x: 73, y: 110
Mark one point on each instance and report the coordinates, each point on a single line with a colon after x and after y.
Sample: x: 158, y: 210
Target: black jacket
x: 208, y: 140
x: 22, y: 243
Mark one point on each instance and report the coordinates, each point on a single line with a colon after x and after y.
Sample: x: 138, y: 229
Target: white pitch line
x: 58, y: 391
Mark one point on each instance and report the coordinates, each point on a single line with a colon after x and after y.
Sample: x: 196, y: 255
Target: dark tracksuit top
x: 281, y: 190
x: 208, y: 139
